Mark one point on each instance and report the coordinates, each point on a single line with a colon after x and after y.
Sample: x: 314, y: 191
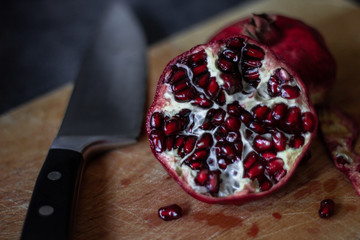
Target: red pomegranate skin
x: 301, y: 46
x: 160, y: 102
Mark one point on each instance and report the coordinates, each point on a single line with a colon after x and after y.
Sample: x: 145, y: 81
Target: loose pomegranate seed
x: 327, y: 208
x: 170, y: 212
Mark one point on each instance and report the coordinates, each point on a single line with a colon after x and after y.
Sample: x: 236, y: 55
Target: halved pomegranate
x: 229, y: 121
x: 301, y: 46
x: 340, y: 132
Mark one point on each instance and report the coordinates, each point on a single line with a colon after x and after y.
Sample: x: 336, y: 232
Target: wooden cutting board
x: 122, y: 190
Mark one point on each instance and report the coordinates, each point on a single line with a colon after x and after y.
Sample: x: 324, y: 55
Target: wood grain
x: 122, y: 190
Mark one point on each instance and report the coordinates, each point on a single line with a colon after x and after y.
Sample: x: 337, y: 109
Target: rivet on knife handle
x: 50, y: 211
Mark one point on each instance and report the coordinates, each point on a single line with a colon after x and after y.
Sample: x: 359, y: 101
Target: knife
x: 105, y: 110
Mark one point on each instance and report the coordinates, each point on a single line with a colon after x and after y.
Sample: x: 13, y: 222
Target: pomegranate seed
x: 296, y: 141
x: 213, y: 88
x: 252, y: 74
x: 235, y: 43
x: 170, y: 212
x: 219, y: 116
x: 189, y: 144
x: 327, y: 208
x: 177, y: 76
x: 198, y: 57
x: 179, y: 141
x: 232, y: 123
x: 156, y: 120
x: 200, y: 155
x: 221, y: 99
x: 257, y: 127
x: 253, y: 63
x: 205, y: 141
x: 228, y: 151
x: 273, y: 87
x: 238, y: 147
x: 196, y: 165
x: 269, y: 120
x: 199, y: 69
x: 260, y: 112
x: 231, y: 83
x: 234, y: 109
x: 171, y: 127
x: 290, y: 92
x: 279, y: 140
x: 262, y: 144
x: 268, y: 156
x: 170, y: 142
x: 233, y: 136
x: 202, y: 177
x: 180, y: 86
x: 255, y: 171
x: 292, y: 119
x: 274, y: 166
x: 231, y: 55
x: 246, y: 118
x: 280, y: 174
x: 250, y: 159
x: 213, y: 183
x: 185, y: 95
x: 308, y: 122
x: 222, y: 163
x: 283, y: 75
x: 279, y: 111
x: 225, y: 66
x: 157, y: 139
x: 255, y: 52
x: 265, y: 186
x: 202, y: 101
x: 203, y: 81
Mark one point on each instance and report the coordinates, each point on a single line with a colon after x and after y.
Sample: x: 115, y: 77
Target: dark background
x: 42, y: 42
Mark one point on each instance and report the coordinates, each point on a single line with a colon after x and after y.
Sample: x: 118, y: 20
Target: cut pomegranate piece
x: 243, y: 128
x: 300, y: 45
x: 340, y: 132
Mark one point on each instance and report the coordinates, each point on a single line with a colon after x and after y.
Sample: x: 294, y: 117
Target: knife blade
x: 105, y: 110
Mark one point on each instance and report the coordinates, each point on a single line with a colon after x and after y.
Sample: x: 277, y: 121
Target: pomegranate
x: 300, y: 45
x: 230, y: 121
x: 339, y: 132
x: 170, y: 212
x: 327, y: 208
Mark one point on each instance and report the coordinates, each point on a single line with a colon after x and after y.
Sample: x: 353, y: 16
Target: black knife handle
x: 49, y: 215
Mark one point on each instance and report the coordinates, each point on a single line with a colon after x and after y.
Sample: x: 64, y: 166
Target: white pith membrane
x: 232, y: 178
